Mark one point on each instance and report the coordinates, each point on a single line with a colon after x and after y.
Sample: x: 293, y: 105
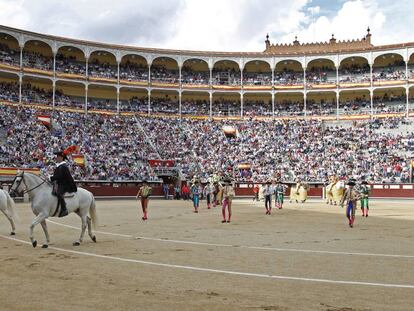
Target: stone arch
x: 321, y: 72
x: 133, y: 99
x: 164, y: 72
x: 134, y: 69
x: 288, y: 74
x: 226, y: 73
x: 289, y: 104
x: 257, y: 73
x: 70, y: 61
x: 195, y: 71
x: 38, y: 54
x: 195, y: 103
x: 102, y: 66
x: 354, y: 102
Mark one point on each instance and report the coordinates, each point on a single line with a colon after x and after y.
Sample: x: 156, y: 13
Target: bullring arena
x: 303, y: 257
x: 316, y: 115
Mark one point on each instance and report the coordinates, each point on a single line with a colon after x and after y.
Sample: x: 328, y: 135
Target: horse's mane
x: 40, y: 177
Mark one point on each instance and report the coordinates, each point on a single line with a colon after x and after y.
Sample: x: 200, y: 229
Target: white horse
x: 44, y: 204
x: 7, y: 207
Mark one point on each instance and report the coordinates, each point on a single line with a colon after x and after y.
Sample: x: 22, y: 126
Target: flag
x: 71, y: 149
x: 57, y: 129
x: 244, y: 166
x: 229, y: 131
x: 79, y: 159
x: 45, y: 120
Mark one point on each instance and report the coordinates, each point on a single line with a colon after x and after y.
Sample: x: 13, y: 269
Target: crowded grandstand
x: 337, y: 108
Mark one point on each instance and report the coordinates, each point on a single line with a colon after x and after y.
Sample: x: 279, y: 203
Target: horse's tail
x: 92, y: 213
x: 10, y: 206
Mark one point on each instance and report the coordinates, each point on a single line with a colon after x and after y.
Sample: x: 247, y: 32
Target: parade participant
x: 216, y: 193
x: 299, y: 192
x: 62, y: 179
x: 351, y: 197
x: 209, y: 194
x: 267, y: 192
x: 185, y: 191
x: 364, y: 190
x: 256, y: 190
x: 166, y: 190
x: 329, y: 194
x: 228, y: 195
x: 280, y: 194
x: 195, y: 194
x: 177, y: 192
x: 144, y: 192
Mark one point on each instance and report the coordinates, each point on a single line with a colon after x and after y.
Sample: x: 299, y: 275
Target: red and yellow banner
x: 244, y: 166
x: 12, y: 171
x: 79, y: 159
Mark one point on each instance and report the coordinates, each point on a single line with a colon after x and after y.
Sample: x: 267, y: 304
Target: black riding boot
x: 63, y: 209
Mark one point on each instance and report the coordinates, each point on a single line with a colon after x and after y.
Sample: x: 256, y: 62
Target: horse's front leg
x: 11, y: 223
x: 44, y: 227
x: 84, y: 224
x: 38, y: 219
x: 13, y: 226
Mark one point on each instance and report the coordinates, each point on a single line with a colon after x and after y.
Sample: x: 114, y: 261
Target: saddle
x: 65, y: 195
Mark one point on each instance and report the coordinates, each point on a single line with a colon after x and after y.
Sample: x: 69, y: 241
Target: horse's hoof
x: 45, y: 246
x: 94, y: 239
x: 76, y: 243
x: 34, y: 243
x: 13, y: 233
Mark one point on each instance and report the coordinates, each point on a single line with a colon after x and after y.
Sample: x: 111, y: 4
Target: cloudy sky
x: 223, y: 25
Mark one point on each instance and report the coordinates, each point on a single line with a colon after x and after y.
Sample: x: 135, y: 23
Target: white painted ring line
x: 268, y: 276
x: 243, y: 246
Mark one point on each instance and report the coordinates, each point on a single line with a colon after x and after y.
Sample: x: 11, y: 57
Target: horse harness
x: 22, y: 180
x: 29, y: 190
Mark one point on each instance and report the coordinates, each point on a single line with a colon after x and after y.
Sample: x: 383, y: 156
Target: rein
x: 27, y: 191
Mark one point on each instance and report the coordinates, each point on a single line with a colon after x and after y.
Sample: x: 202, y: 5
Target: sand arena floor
x: 303, y: 257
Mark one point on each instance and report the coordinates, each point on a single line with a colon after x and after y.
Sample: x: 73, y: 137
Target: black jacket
x: 64, y: 179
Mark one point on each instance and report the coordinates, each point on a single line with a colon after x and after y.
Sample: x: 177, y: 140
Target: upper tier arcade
x: 290, y: 74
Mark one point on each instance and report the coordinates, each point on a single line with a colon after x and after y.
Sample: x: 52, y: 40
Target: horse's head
x: 17, y: 184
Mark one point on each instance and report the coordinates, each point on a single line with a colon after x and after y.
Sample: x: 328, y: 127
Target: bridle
x: 13, y: 191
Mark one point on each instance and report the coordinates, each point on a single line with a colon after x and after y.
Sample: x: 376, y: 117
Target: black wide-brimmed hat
x: 61, y: 154
x: 351, y: 183
x: 364, y: 182
x: 66, y: 152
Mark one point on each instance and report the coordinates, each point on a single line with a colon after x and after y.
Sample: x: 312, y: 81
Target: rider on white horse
x: 44, y: 204
x: 63, y: 180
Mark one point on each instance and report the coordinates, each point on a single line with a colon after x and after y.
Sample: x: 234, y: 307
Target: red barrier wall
x: 377, y: 190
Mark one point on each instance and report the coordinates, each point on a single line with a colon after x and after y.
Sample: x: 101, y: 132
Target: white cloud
x: 350, y: 22
x: 12, y: 13
x: 231, y: 25
x: 387, y: 19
